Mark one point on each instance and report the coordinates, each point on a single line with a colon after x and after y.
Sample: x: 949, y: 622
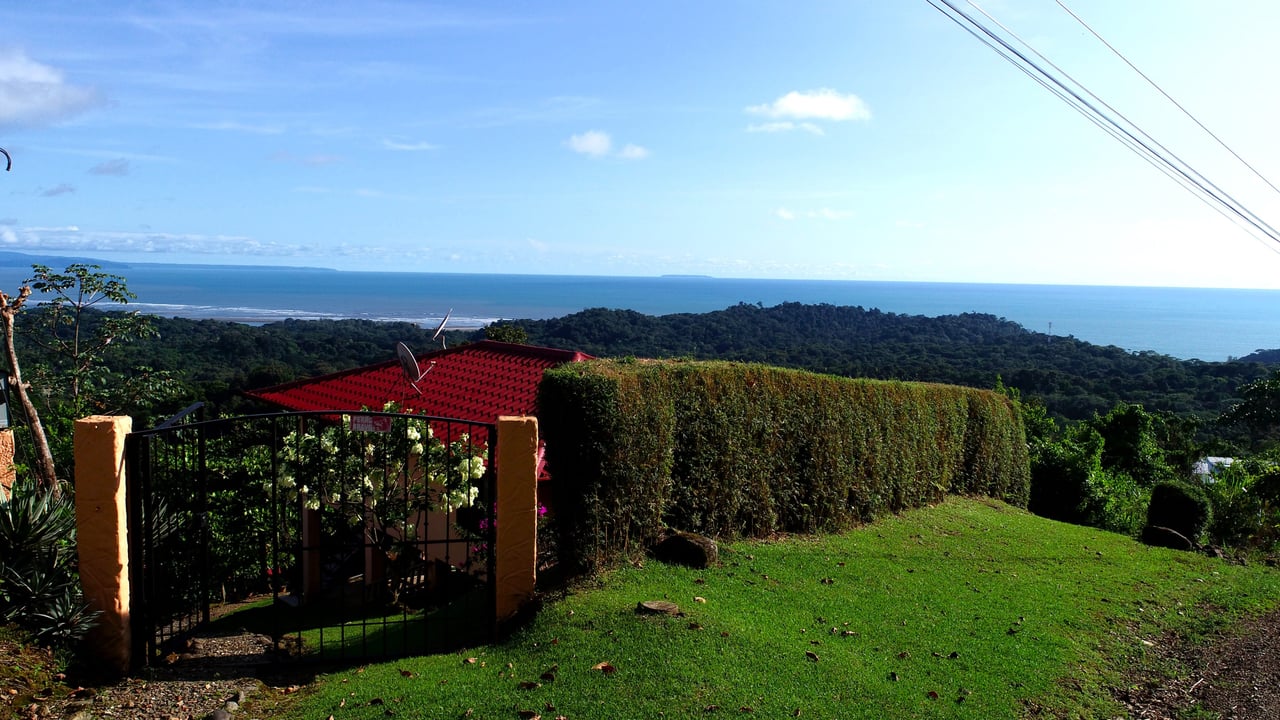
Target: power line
x: 1167, y: 96
x: 1164, y: 160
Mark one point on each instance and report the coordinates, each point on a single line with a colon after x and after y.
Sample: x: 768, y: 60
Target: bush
x: 1116, y: 502
x: 730, y: 449
x: 39, y: 587
x: 1181, y: 507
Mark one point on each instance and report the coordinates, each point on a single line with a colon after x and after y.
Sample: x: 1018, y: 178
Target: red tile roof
x: 475, y: 382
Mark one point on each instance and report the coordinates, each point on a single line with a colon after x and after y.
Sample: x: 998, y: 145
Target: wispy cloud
x: 786, y: 126
x: 597, y: 143
x: 408, y: 146
x: 33, y: 94
x: 819, y: 214
x: 233, y: 126
x: 118, y: 167
x: 317, y: 160
x: 802, y: 110
x: 57, y: 190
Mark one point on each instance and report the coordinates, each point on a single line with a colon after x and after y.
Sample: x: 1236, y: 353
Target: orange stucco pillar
x: 517, y: 513
x: 103, y: 534
x: 7, y: 474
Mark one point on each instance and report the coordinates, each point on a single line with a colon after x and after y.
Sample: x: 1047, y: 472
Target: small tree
x: 46, y: 473
x: 74, y: 339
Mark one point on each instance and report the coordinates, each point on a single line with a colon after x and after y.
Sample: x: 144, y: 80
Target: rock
x: 1166, y: 537
x: 219, y: 714
x: 657, y: 607
x: 685, y: 548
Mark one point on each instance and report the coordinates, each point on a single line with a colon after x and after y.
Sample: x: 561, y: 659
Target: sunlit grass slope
x: 969, y: 609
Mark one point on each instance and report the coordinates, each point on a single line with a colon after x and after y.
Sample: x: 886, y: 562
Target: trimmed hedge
x: 731, y: 449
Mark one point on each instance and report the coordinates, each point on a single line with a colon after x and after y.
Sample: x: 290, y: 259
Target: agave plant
x: 39, y: 586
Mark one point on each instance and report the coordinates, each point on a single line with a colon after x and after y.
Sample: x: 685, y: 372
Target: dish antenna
x: 440, y: 330
x: 409, y: 364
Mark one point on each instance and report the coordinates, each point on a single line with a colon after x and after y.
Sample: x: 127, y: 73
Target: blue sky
x: 862, y: 140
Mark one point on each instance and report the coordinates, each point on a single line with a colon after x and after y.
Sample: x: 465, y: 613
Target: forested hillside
x: 1074, y: 378
x: 215, y: 360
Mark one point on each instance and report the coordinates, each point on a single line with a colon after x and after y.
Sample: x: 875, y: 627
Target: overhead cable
x: 1132, y: 136
x: 1167, y: 96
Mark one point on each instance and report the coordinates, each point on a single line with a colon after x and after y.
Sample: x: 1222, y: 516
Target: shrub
x: 1181, y: 507
x: 1238, y: 512
x: 730, y: 449
x: 1116, y: 502
x: 39, y: 587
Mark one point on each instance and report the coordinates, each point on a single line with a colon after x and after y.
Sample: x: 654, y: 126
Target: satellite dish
x: 409, y: 364
x: 440, y: 330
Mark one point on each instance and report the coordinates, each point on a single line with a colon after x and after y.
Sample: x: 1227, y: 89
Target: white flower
x: 413, y: 434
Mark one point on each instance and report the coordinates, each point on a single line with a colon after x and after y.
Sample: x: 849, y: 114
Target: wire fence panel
x: 341, y: 536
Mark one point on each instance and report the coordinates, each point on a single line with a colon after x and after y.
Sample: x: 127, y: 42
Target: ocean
x: 1205, y: 324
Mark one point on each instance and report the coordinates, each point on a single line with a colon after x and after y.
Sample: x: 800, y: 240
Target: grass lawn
x: 969, y: 609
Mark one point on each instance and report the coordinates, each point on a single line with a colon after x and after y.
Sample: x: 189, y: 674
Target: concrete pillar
x: 102, y: 531
x: 517, y: 513
x: 7, y: 473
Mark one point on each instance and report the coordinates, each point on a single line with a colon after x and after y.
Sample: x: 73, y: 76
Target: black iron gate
x: 340, y: 536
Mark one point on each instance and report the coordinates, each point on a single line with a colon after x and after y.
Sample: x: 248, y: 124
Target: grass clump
x: 967, y: 609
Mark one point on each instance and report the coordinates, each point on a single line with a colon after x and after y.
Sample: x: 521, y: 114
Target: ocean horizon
x: 1188, y: 323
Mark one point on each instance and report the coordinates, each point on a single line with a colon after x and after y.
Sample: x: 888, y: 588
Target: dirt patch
x: 1233, y: 676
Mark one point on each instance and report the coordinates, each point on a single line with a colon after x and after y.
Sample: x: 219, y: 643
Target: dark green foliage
x: 1130, y: 444
x: 1181, y: 507
x: 506, y: 332
x: 39, y: 587
x: 729, y: 449
x: 1074, y: 379
x: 1060, y: 474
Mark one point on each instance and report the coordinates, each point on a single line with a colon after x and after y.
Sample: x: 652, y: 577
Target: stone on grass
x: 686, y: 548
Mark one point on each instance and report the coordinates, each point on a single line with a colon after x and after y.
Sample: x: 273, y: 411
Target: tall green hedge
x: 733, y: 449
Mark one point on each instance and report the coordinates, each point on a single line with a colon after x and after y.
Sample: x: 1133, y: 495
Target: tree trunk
x: 44, y: 469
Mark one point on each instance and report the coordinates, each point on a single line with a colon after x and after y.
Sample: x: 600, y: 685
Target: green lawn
x: 970, y: 609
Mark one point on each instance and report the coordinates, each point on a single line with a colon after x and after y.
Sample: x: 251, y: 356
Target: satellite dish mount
x: 409, y: 364
x: 440, y: 329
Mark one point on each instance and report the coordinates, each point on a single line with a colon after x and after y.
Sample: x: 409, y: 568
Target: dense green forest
x: 214, y: 360
x: 1074, y: 379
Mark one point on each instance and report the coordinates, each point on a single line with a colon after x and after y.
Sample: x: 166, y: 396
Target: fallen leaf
x: 932, y: 695
x: 377, y: 701
x: 904, y: 655
x: 711, y: 708
x: 469, y: 661
x: 953, y: 655
x: 529, y: 715
x: 694, y: 626
x: 699, y: 599
x: 550, y: 674
x: 893, y: 676
x: 811, y: 655
x: 605, y: 668
x: 530, y: 685
x: 406, y: 673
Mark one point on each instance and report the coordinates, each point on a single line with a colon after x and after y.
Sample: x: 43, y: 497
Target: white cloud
x: 538, y: 245
x: 34, y: 94
x: 409, y: 147
x: 597, y: 143
x: 633, y: 152
x: 786, y: 126
x: 592, y: 142
x: 822, y: 104
x: 784, y: 213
